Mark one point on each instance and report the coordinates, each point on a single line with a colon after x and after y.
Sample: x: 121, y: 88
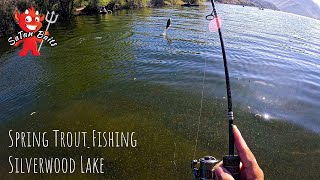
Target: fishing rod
x: 231, y: 161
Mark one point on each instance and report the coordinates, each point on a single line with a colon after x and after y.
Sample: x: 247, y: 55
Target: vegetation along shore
x: 68, y: 8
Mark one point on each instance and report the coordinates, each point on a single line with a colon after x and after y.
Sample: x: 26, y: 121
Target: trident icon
x: 50, y: 21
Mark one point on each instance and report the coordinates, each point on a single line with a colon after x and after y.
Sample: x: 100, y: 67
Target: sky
x: 317, y: 2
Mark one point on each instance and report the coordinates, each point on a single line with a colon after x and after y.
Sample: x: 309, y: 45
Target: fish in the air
x: 168, y: 25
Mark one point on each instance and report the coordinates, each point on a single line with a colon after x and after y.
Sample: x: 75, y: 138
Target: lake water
x: 117, y: 73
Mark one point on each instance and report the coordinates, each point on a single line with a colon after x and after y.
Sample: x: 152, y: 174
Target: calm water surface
x: 117, y: 73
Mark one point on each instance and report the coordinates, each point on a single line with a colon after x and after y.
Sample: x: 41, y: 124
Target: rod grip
x: 232, y: 164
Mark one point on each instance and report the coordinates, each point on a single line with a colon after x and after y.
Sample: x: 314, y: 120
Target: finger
x: 219, y: 164
x: 223, y: 174
x: 245, y: 153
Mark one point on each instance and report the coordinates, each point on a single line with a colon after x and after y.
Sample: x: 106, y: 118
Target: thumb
x: 222, y: 174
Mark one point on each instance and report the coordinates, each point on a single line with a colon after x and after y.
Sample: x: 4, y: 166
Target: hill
x: 302, y: 7
x: 310, y: 8
x: 255, y: 3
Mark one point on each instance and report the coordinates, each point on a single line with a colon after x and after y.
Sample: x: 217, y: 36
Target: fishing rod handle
x: 232, y: 164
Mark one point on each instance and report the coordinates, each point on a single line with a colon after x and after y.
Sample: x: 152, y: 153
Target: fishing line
x: 201, y: 105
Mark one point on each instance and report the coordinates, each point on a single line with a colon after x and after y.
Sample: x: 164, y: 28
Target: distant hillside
x: 264, y: 4
x: 303, y: 7
x: 237, y: 2
x: 256, y: 3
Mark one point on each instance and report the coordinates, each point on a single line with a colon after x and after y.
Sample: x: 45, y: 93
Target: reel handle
x: 232, y: 164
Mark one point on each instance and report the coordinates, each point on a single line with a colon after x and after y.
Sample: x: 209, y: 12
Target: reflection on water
x: 117, y: 73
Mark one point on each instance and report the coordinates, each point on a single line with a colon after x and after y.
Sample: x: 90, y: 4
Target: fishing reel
x: 204, y: 168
